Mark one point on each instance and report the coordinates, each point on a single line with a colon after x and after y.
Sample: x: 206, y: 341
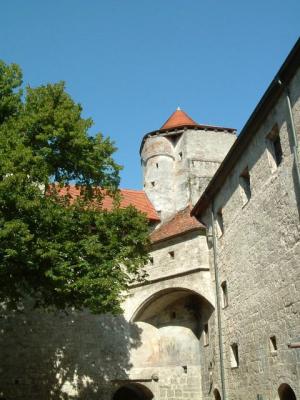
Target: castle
x: 219, y: 314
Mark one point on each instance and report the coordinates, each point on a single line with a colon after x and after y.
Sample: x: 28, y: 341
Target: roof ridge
x: 178, y: 118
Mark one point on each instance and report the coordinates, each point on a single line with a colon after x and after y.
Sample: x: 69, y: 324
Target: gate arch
x: 133, y: 391
x: 165, y: 293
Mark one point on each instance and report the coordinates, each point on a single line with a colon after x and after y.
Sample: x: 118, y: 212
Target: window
x: 152, y: 183
x: 156, y: 165
x: 172, y: 254
x: 151, y: 260
x: 224, y: 294
x: 245, y: 186
x: 274, y: 148
x: 220, y: 224
x: 217, y: 395
x: 277, y: 149
x: 180, y: 155
x: 273, y: 344
x: 234, y: 355
x: 205, y: 335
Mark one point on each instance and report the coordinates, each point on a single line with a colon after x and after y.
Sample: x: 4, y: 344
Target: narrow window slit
x: 235, y: 362
x: 224, y: 294
x: 273, y: 344
x: 245, y: 186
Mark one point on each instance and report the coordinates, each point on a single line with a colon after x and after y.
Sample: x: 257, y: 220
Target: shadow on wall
x: 63, y: 356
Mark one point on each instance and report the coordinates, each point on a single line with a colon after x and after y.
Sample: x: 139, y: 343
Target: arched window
x: 217, y: 395
x: 286, y: 392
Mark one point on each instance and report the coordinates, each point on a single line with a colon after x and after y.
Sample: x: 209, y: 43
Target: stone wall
x: 258, y: 256
x: 158, y: 342
x: 64, y: 356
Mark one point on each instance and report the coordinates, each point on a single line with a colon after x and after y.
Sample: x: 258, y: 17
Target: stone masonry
x: 218, y: 314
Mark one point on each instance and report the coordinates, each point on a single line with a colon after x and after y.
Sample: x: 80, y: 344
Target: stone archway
x: 133, y: 392
x: 162, y: 298
x: 172, y: 323
x: 286, y: 392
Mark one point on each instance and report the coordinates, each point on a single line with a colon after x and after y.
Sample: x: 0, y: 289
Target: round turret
x: 158, y: 171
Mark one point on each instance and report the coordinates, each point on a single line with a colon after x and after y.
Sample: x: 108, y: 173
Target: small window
x: 220, y: 224
x: 180, y: 155
x: 224, y: 294
x: 245, y: 186
x: 205, y: 335
x: 172, y: 254
x: 234, y: 355
x: 275, y: 149
x: 152, y: 183
x: 273, y: 344
x: 156, y: 165
x: 151, y: 260
x: 173, y: 315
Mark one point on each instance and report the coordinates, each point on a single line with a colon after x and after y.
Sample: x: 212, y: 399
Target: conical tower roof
x: 178, y: 119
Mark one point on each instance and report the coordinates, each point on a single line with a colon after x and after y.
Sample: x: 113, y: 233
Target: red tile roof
x: 178, y: 119
x: 135, y: 198
x: 182, y: 222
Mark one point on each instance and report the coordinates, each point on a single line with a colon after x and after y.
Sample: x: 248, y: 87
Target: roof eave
x: 198, y: 228
x: 181, y: 128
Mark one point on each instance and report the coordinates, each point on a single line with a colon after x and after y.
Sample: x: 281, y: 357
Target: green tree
x: 58, y: 250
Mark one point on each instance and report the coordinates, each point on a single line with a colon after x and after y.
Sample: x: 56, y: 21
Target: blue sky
x: 130, y: 63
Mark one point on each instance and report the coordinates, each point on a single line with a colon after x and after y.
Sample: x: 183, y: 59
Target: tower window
x: 151, y: 260
x: 156, y: 165
x: 245, y: 186
x: 180, y: 155
x: 224, y: 294
x: 152, y: 183
x: 234, y: 355
x: 172, y: 254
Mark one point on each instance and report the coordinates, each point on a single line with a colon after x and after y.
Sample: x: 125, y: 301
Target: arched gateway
x: 286, y: 392
x: 133, y: 392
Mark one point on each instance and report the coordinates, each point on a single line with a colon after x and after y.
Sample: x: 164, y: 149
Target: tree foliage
x: 60, y: 251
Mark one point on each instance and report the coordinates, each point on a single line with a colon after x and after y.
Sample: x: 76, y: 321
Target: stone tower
x: 179, y: 160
